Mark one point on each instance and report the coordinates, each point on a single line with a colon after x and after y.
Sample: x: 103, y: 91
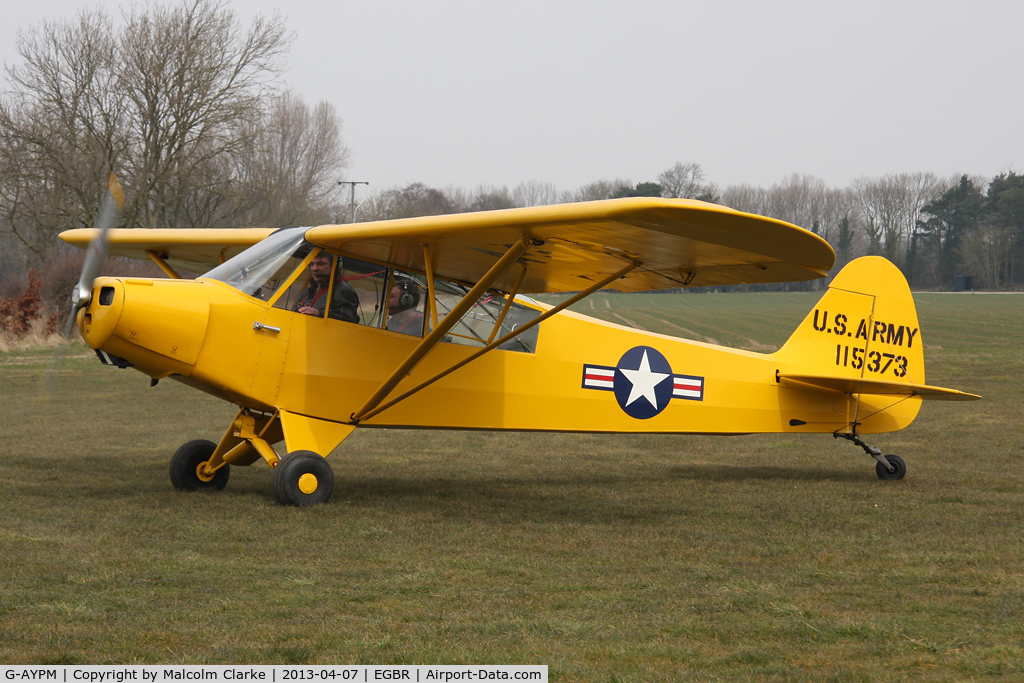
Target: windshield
x: 259, y: 270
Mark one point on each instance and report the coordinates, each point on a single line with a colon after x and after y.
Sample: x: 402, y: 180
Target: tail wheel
x: 186, y: 467
x: 302, y: 478
x: 899, y: 468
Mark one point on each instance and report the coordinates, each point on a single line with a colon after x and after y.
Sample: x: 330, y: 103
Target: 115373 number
x: 876, y: 362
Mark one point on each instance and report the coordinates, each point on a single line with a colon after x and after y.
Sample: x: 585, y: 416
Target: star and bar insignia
x: 641, y: 382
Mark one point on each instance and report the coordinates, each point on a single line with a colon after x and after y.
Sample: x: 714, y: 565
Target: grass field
x: 608, y: 558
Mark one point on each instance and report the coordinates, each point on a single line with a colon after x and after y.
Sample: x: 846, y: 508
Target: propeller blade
x: 112, y: 204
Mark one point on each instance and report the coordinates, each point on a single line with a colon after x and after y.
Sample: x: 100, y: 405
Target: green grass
x: 608, y: 558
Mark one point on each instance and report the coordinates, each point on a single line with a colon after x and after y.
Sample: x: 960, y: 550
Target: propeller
x: 111, y: 205
x: 113, y: 202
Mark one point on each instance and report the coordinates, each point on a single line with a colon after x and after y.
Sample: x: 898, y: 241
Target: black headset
x: 410, y: 294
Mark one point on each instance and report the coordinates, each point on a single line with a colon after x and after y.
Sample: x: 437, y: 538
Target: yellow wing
x: 678, y: 243
x: 193, y: 250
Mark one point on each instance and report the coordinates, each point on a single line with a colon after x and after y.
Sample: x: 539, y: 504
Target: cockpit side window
x: 368, y: 294
x: 477, y: 326
x: 359, y: 292
x: 308, y: 291
x: 407, y: 298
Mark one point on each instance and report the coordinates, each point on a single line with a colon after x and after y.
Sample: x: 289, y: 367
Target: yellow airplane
x: 424, y: 322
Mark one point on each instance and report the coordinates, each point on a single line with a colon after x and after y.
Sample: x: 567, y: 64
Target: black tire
x: 897, y: 462
x: 185, y: 464
x: 302, y: 478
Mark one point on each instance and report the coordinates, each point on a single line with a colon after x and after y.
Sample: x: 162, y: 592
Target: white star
x: 644, y: 381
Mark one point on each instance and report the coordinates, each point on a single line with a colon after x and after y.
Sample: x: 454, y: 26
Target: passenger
x: 313, y: 300
x: 402, y: 314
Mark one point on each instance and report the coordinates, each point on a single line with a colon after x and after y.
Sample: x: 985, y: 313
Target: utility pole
x: 352, y: 197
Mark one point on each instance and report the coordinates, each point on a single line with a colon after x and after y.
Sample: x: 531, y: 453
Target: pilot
x: 402, y: 314
x: 313, y: 300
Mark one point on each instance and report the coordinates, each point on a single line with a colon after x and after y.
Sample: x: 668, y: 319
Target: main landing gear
x: 300, y: 478
x: 887, y: 467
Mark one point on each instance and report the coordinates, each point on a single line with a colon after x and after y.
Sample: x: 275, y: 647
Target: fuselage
x: 584, y: 375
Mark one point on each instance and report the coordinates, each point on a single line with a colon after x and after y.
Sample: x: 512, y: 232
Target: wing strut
x: 431, y: 300
x: 496, y: 272
x: 162, y: 264
x: 508, y: 305
x: 366, y: 414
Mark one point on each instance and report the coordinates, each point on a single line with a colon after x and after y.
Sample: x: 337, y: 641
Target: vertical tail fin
x: 865, y: 326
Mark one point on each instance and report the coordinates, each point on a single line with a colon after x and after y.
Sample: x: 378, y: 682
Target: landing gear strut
x: 888, y: 466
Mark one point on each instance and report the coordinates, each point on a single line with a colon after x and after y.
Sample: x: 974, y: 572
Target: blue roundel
x: 643, y: 382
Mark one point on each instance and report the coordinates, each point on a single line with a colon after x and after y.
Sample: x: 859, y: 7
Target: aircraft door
x: 272, y: 331
x: 287, y: 283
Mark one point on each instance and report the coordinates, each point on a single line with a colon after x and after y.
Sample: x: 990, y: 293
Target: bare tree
x: 191, y: 75
x: 290, y: 164
x: 535, y: 193
x: 839, y: 218
x: 61, y: 129
x: 746, y: 198
x: 808, y: 202
x: 803, y: 200
x: 599, y: 189
x: 687, y: 181
x: 415, y: 199
x: 490, y: 198
x: 891, y: 207
x: 183, y: 102
x: 799, y: 200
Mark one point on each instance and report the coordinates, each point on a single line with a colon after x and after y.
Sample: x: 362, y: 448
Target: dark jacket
x: 344, y: 306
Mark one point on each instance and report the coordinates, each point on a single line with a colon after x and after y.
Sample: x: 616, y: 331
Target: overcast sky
x: 470, y: 92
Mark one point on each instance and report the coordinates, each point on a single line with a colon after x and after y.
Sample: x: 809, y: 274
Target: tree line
x: 189, y: 108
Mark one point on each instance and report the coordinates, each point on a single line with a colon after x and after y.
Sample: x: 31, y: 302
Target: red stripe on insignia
x: 598, y: 378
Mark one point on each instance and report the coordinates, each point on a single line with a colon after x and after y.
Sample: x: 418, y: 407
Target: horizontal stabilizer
x: 855, y: 385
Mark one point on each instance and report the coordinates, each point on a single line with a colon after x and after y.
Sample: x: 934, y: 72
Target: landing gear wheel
x: 302, y: 478
x: 186, y: 472
x: 900, y: 468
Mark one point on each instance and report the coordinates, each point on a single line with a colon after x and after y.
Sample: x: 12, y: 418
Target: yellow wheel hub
x: 308, y: 483
x: 203, y: 473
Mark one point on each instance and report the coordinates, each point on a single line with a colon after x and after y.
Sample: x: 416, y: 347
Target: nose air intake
x: 98, y: 321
